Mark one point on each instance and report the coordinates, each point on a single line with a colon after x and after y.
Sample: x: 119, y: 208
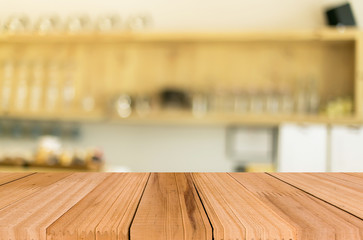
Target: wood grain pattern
x: 170, y: 209
x: 106, y: 212
x: 23, y: 187
x: 300, y: 209
x: 9, y: 177
x: 236, y: 213
x: 342, y: 190
x: 219, y: 206
x: 28, y: 219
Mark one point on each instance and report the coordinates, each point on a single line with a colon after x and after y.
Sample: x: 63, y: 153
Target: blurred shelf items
x: 143, y: 76
x: 50, y: 155
x: 58, y: 74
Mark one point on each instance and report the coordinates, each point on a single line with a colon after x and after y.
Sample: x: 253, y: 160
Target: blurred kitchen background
x: 156, y: 85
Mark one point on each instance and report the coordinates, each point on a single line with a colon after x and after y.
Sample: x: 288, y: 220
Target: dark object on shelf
x: 240, y: 168
x: 174, y: 98
x: 340, y: 16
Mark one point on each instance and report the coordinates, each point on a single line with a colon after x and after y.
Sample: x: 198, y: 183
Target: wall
x: 161, y: 148
x: 157, y: 148
x: 191, y: 14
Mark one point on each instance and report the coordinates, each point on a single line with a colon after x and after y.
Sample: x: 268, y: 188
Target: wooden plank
x: 200, y: 36
x: 170, y: 209
x: 236, y: 213
x: 356, y: 174
x: 17, y: 190
x: 342, y: 190
x: 10, y: 177
x: 29, y: 218
x: 313, y: 218
x: 167, y: 206
x: 106, y: 212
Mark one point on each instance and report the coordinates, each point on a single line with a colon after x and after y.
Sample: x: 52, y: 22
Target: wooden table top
x: 181, y: 206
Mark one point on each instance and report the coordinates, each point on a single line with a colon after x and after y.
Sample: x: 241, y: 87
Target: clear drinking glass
x: 139, y: 22
x: 199, y: 104
x: 8, y: 74
x: 123, y: 105
x: 287, y: 103
x: 108, y: 23
x: 36, y: 86
x: 272, y: 103
x: 68, y: 90
x: 257, y: 102
x: 143, y: 105
x: 88, y: 103
x: 47, y: 24
x: 52, y: 87
x: 22, y: 86
x: 17, y: 24
x: 301, y: 98
x: 78, y: 24
x: 313, y: 98
x: 241, y: 102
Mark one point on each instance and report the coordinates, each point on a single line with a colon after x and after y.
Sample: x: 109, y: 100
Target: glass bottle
x: 143, y: 105
x: 68, y: 86
x: 199, y: 104
x: 241, y: 102
x: 287, y: 103
x: 22, y: 87
x: 272, y: 103
x: 8, y: 73
x: 52, y: 88
x: 257, y: 103
x: 313, y: 97
x: 301, y: 98
x: 36, y: 87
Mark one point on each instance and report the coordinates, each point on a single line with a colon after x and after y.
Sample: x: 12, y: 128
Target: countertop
x: 181, y: 206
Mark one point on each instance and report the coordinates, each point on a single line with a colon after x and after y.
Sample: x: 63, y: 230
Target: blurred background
x: 156, y: 85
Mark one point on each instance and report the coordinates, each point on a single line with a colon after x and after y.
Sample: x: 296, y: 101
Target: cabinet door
x: 346, y: 149
x: 302, y: 148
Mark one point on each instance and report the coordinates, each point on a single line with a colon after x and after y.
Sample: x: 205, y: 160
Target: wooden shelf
x: 56, y: 116
x: 178, y: 118
x: 200, y: 36
x: 225, y: 60
x: 173, y: 117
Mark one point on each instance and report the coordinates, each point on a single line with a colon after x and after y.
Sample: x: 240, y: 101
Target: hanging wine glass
x: 139, y: 22
x: 16, y: 24
x: 48, y: 24
x: 78, y: 24
x: 108, y: 23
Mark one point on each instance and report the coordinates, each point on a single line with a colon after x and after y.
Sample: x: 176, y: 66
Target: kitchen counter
x: 181, y: 206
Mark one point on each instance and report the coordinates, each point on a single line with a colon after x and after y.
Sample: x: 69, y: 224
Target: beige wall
x: 194, y: 14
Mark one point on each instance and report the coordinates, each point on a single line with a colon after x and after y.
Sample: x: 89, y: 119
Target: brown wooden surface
x: 8, y: 177
x: 342, y: 190
x: 218, y: 206
x: 300, y: 209
x: 106, y: 211
x: 170, y: 207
